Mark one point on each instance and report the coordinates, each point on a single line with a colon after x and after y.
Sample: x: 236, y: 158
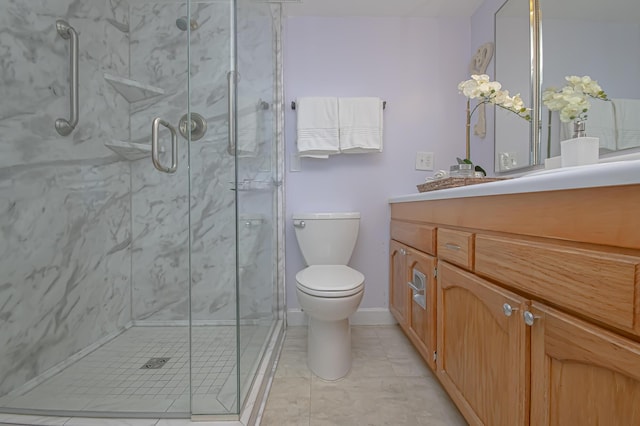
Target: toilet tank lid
x: 342, y: 215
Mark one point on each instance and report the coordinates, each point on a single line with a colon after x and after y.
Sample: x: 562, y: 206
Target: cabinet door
x: 398, y: 290
x: 422, y: 320
x: 581, y: 374
x: 483, y: 348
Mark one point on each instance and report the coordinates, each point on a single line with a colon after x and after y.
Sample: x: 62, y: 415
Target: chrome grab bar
x: 231, y: 95
x: 66, y: 31
x: 155, y: 127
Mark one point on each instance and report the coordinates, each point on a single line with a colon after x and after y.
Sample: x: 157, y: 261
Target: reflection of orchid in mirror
x: 480, y: 87
x: 572, y: 100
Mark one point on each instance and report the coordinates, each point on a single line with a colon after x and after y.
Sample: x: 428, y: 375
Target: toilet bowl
x: 328, y: 290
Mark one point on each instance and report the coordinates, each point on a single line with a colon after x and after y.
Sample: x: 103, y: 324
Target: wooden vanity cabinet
x: 399, y: 292
x: 482, y: 348
x: 538, y: 305
x: 414, y: 310
x: 581, y: 374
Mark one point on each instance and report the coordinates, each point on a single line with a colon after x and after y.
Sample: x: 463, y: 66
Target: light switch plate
x: 424, y: 160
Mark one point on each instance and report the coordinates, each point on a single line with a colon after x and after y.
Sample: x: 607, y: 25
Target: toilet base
x: 329, y: 348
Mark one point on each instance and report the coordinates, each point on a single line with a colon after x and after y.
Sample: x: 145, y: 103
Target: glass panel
x: 256, y: 162
x: 513, y: 71
x: 590, y: 39
x: 93, y: 239
x: 213, y: 215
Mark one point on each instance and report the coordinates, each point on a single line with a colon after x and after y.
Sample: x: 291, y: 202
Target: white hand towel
x: 317, y: 127
x: 627, y: 122
x: 360, y: 125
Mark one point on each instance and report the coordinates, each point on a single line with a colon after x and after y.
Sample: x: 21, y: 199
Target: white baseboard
x: 364, y: 316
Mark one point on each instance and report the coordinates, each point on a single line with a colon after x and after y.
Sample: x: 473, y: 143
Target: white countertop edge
x: 591, y: 176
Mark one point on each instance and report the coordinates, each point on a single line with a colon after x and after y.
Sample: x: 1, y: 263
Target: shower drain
x: 154, y: 363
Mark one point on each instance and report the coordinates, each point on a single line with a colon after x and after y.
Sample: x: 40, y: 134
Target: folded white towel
x: 627, y: 122
x: 360, y: 125
x: 317, y: 127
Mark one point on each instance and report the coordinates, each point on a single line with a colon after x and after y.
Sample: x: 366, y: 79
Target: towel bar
x: 293, y: 104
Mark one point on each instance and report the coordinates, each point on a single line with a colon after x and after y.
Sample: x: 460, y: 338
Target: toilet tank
x: 326, y: 238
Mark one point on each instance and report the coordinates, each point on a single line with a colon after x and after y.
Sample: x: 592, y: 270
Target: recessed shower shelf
x: 130, y: 151
x: 133, y: 91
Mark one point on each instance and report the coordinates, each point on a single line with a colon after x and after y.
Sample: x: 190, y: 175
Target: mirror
x: 571, y: 37
x: 598, y: 39
x: 513, y: 65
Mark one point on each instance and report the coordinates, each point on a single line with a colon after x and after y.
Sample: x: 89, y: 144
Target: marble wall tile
x: 34, y: 85
x: 65, y: 217
x: 160, y: 278
x: 64, y: 253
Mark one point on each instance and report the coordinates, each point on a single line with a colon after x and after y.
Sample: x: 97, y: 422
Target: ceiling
x: 398, y: 8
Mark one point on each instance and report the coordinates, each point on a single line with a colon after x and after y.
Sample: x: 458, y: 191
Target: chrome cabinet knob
x: 508, y: 310
x: 299, y: 223
x: 529, y: 318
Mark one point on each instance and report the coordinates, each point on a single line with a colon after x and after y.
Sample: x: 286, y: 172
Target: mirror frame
x: 535, y: 82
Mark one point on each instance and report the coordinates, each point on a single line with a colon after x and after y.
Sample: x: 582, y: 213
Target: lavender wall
x: 415, y: 65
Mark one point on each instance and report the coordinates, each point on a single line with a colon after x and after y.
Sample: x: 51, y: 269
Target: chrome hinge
x: 435, y: 355
x: 435, y: 272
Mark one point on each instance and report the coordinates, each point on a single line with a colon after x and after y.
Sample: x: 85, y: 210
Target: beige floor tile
x: 293, y: 364
x: 358, y: 401
x: 288, y: 402
x: 430, y: 401
x: 410, y: 364
x: 371, y: 368
x: 389, y: 384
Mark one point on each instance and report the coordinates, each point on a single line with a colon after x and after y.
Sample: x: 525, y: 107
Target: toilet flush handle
x: 299, y: 223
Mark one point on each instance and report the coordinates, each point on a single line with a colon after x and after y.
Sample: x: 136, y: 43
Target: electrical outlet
x: 424, y: 161
x: 507, y: 161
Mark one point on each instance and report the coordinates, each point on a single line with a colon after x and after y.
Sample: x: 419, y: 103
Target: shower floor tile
x: 111, y: 379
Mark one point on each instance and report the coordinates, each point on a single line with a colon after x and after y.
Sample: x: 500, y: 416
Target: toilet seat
x: 330, y: 281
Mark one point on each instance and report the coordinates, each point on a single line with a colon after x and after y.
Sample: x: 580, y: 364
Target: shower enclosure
x: 139, y: 188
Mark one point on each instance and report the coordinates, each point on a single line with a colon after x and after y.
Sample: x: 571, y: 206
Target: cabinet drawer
x: 456, y: 247
x: 598, y: 285
x: 419, y: 236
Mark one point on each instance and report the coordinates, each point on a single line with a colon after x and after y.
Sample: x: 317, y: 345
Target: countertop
x: 595, y: 175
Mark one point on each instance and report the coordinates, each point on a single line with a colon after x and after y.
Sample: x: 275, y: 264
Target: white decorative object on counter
x: 580, y: 151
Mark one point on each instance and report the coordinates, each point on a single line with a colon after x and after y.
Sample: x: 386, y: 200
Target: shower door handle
x: 155, y: 128
x: 67, y: 32
x: 231, y: 97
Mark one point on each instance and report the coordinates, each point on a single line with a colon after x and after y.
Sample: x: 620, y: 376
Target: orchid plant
x: 572, y: 100
x: 480, y: 87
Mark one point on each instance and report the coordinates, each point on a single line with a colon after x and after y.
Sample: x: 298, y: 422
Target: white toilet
x: 328, y: 290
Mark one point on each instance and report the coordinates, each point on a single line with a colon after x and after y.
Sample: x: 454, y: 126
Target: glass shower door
x: 214, y: 372
x: 94, y: 241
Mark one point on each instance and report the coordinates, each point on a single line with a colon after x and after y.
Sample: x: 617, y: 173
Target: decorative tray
x: 454, y: 182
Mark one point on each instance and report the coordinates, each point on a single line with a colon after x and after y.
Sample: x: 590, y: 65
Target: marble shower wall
x: 160, y: 214
x: 65, y: 228
x: 257, y: 169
